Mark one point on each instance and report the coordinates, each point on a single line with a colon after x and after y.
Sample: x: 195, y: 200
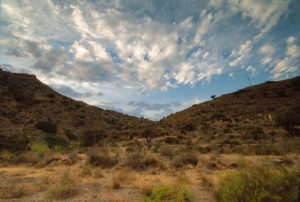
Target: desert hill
x: 27, y: 104
x: 249, y: 115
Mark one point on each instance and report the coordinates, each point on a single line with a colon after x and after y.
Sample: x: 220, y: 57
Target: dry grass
x: 98, y: 173
x: 207, y: 181
x: 116, y: 184
x: 66, y: 188
x: 123, y: 176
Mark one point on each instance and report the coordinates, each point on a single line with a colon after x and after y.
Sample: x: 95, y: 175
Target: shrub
x: 14, y: 142
x: 86, y: 171
x: 61, y: 191
x: 46, y: 126
x: 27, y: 158
x: 201, y: 150
x: 70, y: 135
x: 258, y: 184
x: 172, y: 140
x: 185, y: 159
x: 40, y: 148
x: 92, y: 136
x: 170, y: 193
x: 101, y: 159
x: 130, y: 149
x: 55, y: 140
x: 139, y: 162
x: 167, y: 150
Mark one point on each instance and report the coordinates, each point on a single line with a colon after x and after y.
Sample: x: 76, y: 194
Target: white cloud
x: 251, y: 69
x: 283, y: 67
x: 293, y: 51
x: 266, y: 60
x: 267, y: 49
x: 242, y: 53
x: 206, y: 54
x: 291, y: 40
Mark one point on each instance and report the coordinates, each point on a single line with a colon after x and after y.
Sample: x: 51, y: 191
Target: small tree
x: 213, y: 97
x: 149, y: 134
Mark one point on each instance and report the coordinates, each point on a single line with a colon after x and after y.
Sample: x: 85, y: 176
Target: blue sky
x: 150, y: 58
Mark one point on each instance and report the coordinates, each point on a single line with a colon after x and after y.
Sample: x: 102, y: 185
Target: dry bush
x: 147, y: 189
x: 101, y: 159
x: 14, y: 190
x: 138, y: 161
x: 86, y: 171
x: 27, y: 158
x: 167, y: 150
x: 185, y: 159
x: 46, y: 181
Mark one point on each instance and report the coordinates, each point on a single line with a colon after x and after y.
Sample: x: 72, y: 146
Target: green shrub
x: 40, y: 148
x: 46, y: 126
x: 258, y: 184
x: 92, y: 136
x: 170, y: 193
x: 55, y: 140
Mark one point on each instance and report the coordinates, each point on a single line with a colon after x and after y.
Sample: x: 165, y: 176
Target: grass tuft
x: 177, y: 193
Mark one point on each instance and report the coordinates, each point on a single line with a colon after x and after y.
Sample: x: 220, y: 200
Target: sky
x: 150, y: 58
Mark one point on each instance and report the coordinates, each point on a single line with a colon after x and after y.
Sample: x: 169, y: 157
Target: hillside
x: 25, y: 101
x: 246, y: 116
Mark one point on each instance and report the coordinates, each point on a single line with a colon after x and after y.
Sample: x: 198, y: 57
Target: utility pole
x: 249, y: 81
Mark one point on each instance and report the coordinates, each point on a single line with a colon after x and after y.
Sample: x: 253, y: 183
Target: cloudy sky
x: 150, y: 57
